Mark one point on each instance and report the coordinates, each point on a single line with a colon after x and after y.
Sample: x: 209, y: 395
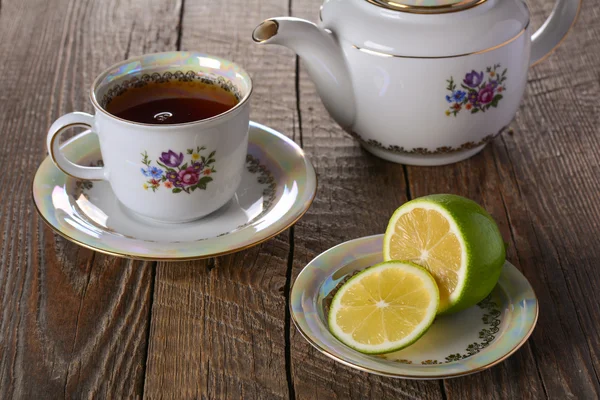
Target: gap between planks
x: 288, y: 319
x: 290, y: 261
x: 179, y: 26
x: 153, y: 266
x: 529, y: 343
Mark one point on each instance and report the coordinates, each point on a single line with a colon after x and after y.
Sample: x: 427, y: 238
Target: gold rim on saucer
x: 284, y: 182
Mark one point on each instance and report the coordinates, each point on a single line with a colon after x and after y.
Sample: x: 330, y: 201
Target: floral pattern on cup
x: 479, y: 91
x: 176, y: 175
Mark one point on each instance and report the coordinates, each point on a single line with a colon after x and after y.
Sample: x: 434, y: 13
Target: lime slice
x: 384, y: 308
x: 455, y: 239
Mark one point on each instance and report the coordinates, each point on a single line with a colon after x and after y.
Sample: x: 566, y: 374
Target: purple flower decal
x: 171, y: 159
x: 473, y: 97
x: 473, y: 79
x: 172, y: 176
x: 486, y: 95
x: 198, y: 166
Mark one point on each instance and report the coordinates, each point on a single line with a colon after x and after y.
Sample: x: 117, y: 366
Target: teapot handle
x: 555, y: 29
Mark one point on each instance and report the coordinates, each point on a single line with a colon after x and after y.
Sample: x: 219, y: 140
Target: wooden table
x: 79, y: 324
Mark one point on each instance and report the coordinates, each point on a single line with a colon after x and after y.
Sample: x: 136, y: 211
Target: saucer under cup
x: 278, y: 184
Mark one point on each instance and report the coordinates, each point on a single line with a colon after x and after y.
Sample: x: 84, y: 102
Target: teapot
x: 421, y: 82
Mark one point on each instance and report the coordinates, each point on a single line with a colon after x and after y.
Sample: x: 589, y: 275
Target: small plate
x: 278, y: 186
x: 455, y: 345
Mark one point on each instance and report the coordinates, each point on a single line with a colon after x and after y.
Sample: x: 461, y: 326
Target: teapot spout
x: 322, y: 57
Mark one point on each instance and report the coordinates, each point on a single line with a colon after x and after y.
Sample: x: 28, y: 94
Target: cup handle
x: 72, y: 120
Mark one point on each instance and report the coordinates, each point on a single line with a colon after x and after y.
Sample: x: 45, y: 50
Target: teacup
x: 169, y: 173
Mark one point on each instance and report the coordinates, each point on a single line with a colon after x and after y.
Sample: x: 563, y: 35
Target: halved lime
x: 384, y: 308
x: 455, y: 239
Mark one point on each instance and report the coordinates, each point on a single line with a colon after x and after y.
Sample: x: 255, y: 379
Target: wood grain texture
x: 554, y: 169
x: 73, y: 323
x: 218, y: 327
x: 539, y: 184
x: 486, y: 178
x: 478, y: 179
x: 78, y: 324
x: 350, y: 204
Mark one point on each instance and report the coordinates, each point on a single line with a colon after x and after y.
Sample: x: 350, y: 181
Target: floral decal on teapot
x: 177, y: 176
x: 480, y: 91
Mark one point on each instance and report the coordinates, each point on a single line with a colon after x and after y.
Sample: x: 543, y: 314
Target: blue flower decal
x: 152, y: 172
x: 458, y: 96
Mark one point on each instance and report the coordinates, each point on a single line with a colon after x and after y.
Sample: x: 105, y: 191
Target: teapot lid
x: 426, y: 6
x: 425, y: 28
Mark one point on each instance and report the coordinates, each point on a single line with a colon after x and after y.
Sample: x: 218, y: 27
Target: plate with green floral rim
x: 278, y: 186
x: 455, y: 345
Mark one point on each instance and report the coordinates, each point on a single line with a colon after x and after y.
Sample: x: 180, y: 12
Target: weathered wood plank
x: 539, y: 184
x: 218, y: 326
x: 555, y: 183
x: 479, y: 178
x: 346, y: 207
x: 350, y: 204
x: 74, y: 323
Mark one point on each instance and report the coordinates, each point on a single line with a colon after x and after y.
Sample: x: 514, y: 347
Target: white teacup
x: 169, y: 173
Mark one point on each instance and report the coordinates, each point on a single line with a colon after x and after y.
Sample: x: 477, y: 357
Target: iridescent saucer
x: 278, y: 186
x: 455, y: 345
